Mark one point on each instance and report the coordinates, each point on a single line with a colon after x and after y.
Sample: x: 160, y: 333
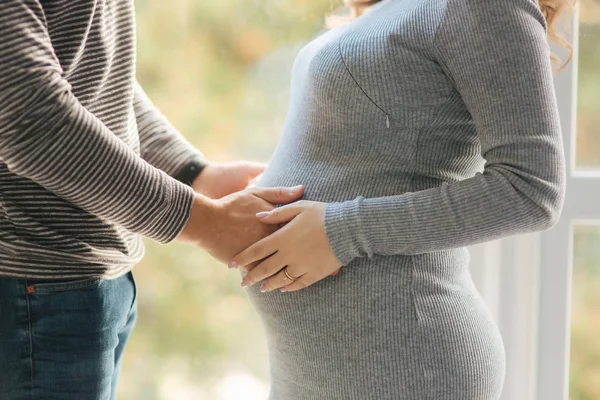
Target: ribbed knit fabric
x: 427, y: 125
x: 74, y: 191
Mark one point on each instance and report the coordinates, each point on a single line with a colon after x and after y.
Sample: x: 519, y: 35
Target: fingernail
x: 245, y: 283
x: 283, y: 290
x: 262, y: 214
x: 295, y: 189
x: 233, y: 264
x: 264, y: 287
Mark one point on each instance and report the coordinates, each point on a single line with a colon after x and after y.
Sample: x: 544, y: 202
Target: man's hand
x: 229, y: 225
x: 219, y: 180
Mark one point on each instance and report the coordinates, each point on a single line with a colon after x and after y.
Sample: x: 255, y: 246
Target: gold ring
x: 291, y: 278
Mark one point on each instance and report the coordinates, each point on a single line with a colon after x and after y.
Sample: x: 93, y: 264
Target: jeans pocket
x: 133, y: 307
x: 135, y: 287
x: 62, y: 286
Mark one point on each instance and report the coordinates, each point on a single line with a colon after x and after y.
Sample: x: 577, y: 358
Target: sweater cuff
x: 175, y: 214
x: 175, y: 165
x: 190, y: 171
x: 343, y: 228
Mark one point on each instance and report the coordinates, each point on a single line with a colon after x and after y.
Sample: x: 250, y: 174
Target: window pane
x: 219, y: 70
x: 588, y: 116
x: 585, y: 322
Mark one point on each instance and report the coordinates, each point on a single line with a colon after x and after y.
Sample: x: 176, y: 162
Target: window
x: 588, y: 118
x: 585, y: 304
x: 585, y: 308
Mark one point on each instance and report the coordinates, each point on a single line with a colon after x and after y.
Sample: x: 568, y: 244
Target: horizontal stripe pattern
x: 86, y: 159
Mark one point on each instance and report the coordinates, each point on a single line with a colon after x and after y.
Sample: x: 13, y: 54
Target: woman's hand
x: 226, y: 226
x: 300, y: 248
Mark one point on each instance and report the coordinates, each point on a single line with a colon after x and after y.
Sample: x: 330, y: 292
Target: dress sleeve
x: 497, y: 56
x: 47, y: 136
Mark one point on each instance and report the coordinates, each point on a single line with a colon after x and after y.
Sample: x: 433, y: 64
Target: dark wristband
x: 190, y: 172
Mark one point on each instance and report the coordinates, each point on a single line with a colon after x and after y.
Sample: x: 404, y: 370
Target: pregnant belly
x: 401, y: 327
x: 328, y: 182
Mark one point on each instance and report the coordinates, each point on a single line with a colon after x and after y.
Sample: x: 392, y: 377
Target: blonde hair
x: 551, y: 9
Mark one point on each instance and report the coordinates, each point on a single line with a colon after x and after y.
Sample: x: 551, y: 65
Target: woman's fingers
x: 299, y: 284
x: 281, y: 215
x: 302, y: 244
x: 248, y: 267
x: 259, y: 250
x: 265, y: 269
x: 286, y: 284
x: 280, y: 280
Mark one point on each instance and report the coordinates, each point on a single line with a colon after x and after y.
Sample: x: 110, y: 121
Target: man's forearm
x: 46, y: 135
x: 161, y: 144
x: 71, y: 153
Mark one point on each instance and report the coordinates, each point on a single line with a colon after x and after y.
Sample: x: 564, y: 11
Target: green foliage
x: 585, y: 319
x: 585, y: 325
x: 220, y: 71
x: 588, y: 118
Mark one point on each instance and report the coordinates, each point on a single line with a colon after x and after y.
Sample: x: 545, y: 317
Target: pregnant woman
x: 419, y: 128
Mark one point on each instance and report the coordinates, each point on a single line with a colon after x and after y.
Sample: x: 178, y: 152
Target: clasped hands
x: 240, y: 226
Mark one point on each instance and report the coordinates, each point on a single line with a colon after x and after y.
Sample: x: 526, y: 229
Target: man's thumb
x: 254, y: 169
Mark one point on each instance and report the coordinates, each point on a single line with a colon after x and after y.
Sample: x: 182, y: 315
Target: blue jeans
x: 64, y: 340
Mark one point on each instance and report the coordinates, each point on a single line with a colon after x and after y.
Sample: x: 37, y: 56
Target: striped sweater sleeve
x: 47, y: 136
x: 498, y: 60
x: 161, y: 144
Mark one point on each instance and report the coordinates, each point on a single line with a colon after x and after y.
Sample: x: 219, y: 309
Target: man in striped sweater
x: 87, y: 166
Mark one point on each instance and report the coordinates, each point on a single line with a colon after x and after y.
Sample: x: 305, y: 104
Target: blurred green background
x: 220, y: 71
x: 585, y: 326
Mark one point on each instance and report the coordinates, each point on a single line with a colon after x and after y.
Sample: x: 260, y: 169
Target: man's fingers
x: 280, y: 215
x: 253, y: 169
x: 279, y: 195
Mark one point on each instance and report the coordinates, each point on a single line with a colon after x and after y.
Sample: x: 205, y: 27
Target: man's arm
x: 161, y: 143
x: 46, y: 135
x: 165, y: 148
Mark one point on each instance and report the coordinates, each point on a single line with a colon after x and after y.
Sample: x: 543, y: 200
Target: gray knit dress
x: 427, y: 125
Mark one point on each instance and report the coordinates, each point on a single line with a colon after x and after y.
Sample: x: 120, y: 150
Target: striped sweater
x: 86, y: 161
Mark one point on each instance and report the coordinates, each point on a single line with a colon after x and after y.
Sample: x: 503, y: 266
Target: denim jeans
x: 64, y: 340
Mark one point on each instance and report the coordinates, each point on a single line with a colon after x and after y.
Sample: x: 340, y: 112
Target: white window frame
x: 526, y: 280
